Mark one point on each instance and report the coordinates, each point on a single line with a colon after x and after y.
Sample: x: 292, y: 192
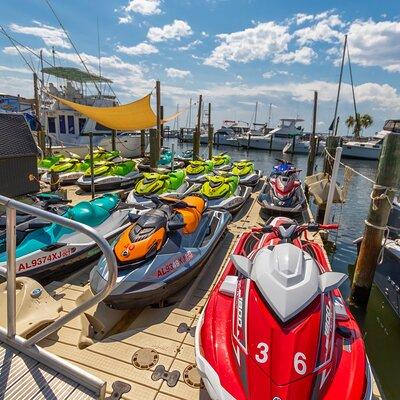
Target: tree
x: 358, y: 122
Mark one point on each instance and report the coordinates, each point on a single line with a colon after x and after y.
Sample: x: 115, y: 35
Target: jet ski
x: 283, y: 194
x: 155, y: 183
x: 222, y: 160
x: 46, y: 249
x: 276, y: 325
x: 244, y: 169
x: 185, y: 157
x: 110, y: 175
x: 196, y: 170
x: 165, y: 156
x: 223, y: 192
x: 69, y: 170
x: 45, y: 163
x: 101, y: 154
x: 161, y: 252
x: 283, y: 167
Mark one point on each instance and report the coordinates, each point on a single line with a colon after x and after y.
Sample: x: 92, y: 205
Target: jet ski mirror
x: 174, y: 226
x: 313, y: 227
x: 331, y: 280
x: 133, y: 217
x: 242, y: 264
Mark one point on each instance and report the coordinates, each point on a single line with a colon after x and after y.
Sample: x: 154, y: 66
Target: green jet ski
x: 101, y: 154
x: 223, y: 192
x: 197, y: 170
x: 156, y: 183
x: 46, y: 163
x: 69, y: 170
x: 46, y: 249
x: 244, y: 169
x: 110, y: 175
x: 222, y: 160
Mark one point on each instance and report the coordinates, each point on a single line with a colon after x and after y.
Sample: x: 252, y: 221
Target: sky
x: 233, y: 52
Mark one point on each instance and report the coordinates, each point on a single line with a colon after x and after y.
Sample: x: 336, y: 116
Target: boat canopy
x: 133, y: 116
x: 74, y: 74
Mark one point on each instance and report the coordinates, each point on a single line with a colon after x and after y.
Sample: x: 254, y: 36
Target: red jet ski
x: 276, y: 326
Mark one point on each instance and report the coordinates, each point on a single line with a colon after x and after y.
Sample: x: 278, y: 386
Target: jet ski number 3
x: 39, y: 261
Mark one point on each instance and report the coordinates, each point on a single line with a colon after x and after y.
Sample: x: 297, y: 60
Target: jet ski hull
x: 174, y: 266
x: 233, y: 203
x: 294, y: 206
x: 71, y: 252
x: 65, y: 178
x: 108, y: 182
x: 251, y: 179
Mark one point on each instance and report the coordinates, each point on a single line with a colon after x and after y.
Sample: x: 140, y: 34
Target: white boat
x: 286, y: 136
x: 228, y: 133
x: 370, y: 149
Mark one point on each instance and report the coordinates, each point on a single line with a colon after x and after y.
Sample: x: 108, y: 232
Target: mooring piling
x: 153, y: 148
x: 142, y: 142
x: 158, y: 132
x: 332, y: 142
x: 313, y: 139
x: 387, y: 183
x: 210, y: 133
x: 196, y: 134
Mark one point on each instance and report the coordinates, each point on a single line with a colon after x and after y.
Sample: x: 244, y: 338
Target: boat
x: 244, y: 169
x: 46, y: 249
x: 68, y: 130
x: 286, y: 135
x: 109, y: 175
x: 157, y: 183
x: 223, y: 192
x: 161, y: 251
x: 228, y: 133
x: 197, y: 169
x: 283, y: 194
x: 276, y: 325
x: 370, y: 149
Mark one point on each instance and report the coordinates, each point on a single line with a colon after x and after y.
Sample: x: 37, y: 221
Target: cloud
x: 304, y: 55
x: 176, y: 30
x: 255, y: 43
x: 322, y: 31
x: 375, y: 44
x: 300, y: 18
x: 50, y: 35
x: 139, y: 49
x: 190, y: 45
x: 270, y: 74
x: 177, y: 73
x: 127, y: 19
x: 143, y: 7
x: 14, y: 69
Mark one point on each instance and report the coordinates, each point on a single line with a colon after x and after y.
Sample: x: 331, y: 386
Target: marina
x: 176, y: 225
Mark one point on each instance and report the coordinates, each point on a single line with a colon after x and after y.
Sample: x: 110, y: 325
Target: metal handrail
x: 11, y: 207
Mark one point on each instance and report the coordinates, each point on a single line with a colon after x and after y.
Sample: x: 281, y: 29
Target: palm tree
x: 358, y: 122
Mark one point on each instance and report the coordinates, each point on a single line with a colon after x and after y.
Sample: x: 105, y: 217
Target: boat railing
x: 29, y: 346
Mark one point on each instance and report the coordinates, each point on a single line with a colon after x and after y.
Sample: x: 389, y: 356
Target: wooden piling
x: 142, y: 143
x: 387, y: 183
x: 196, y: 134
x: 313, y: 139
x: 41, y: 141
x: 153, y: 148
x: 161, y: 126
x: 331, y: 143
x: 113, y: 134
x: 158, y: 112
x: 210, y: 133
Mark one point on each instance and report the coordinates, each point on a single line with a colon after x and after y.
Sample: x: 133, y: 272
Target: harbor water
x: 380, y: 324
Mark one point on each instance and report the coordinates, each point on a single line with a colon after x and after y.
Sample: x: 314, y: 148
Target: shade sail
x: 128, y: 117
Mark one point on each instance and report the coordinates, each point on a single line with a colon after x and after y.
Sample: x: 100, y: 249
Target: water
x: 380, y: 325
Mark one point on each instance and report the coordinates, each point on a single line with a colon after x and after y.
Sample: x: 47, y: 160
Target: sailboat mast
x: 339, y: 86
x: 255, y: 114
x: 269, y: 114
x: 190, y: 113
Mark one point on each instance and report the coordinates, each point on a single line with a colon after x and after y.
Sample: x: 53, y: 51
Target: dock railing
x: 29, y: 346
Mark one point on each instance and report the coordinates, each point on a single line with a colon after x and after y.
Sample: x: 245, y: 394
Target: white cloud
x: 14, y: 69
x: 50, y: 35
x: 304, y: 55
x: 204, y: 34
x: 139, y: 49
x: 190, y: 45
x: 301, y: 18
x: 239, y: 77
x: 176, y: 30
x: 270, y: 74
x: 325, y: 30
x: 375, y: 44
x: 127, y: 19
x: 251, y: 44
x: 177, y: 73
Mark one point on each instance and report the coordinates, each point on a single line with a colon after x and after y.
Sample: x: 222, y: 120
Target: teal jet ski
x: 48, y: 249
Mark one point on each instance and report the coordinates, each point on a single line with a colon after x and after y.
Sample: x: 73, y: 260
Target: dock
x: 145, y: 354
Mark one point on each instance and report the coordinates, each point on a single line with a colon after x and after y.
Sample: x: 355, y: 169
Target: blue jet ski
x: 282, y: 168
x: 45, y: 248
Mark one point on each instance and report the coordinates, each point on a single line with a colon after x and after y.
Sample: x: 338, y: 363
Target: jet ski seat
x: 192, y: 215
x: 88, y: 213
x: 108, y: 201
